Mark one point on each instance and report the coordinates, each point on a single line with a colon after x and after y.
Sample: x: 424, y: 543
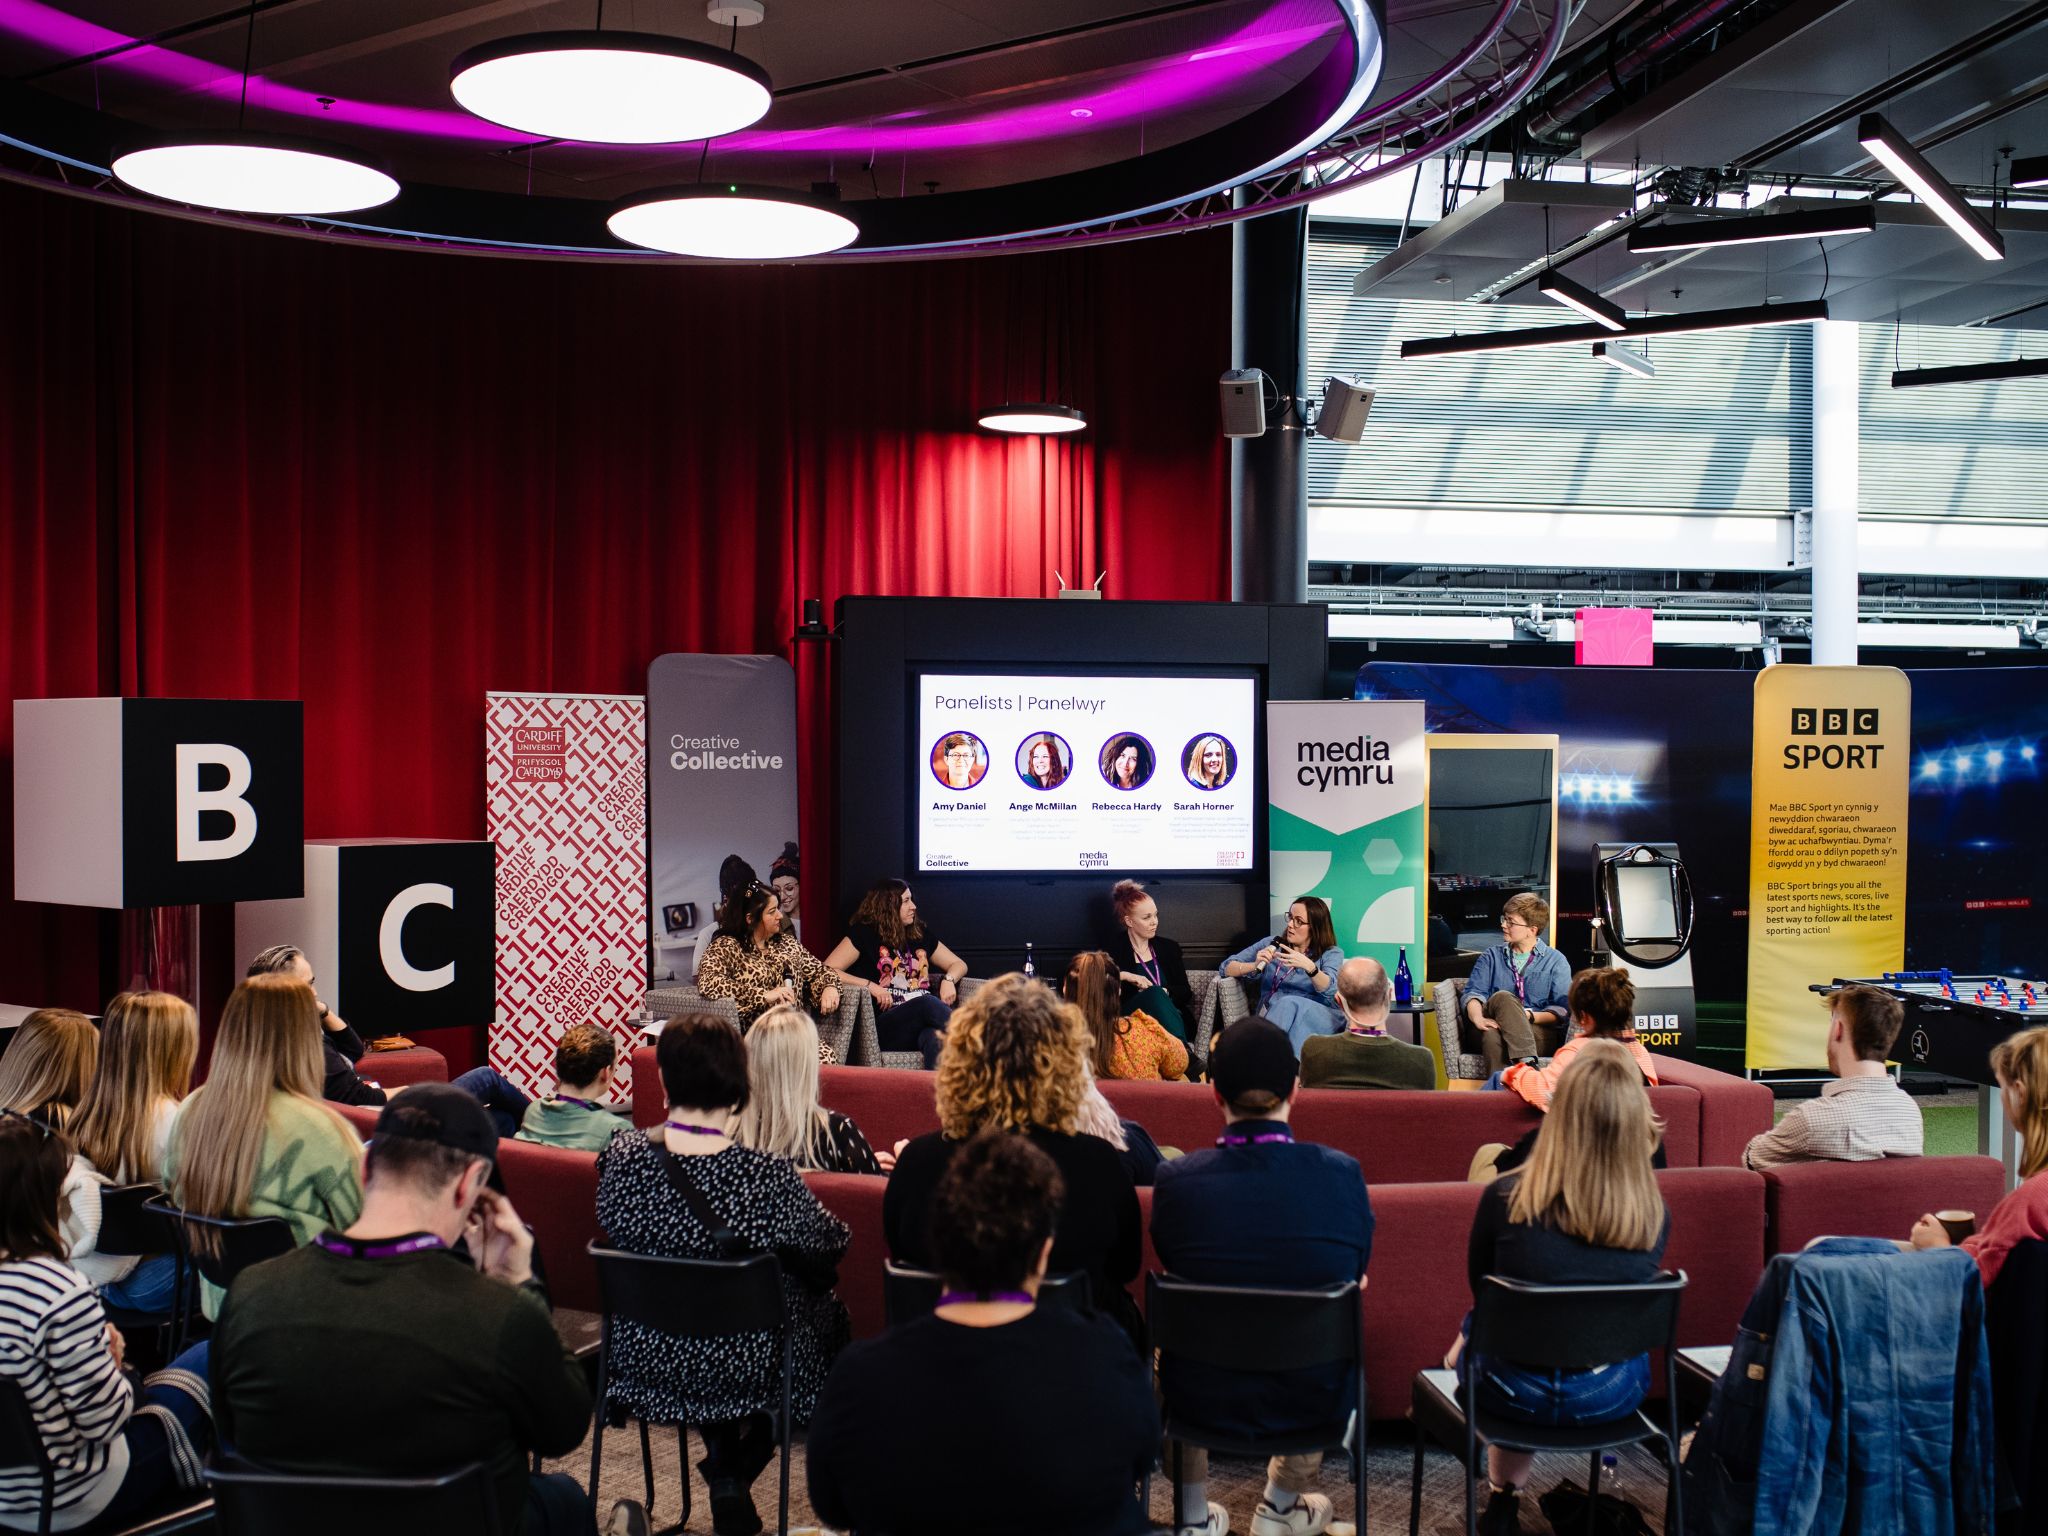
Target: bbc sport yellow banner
x: 1827, y: 846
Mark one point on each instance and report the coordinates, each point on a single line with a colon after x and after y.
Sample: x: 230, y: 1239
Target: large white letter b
x: 391, y: 938
x: 192, y: 800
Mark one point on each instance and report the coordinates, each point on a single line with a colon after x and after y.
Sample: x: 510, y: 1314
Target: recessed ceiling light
x: 610, y: 87
x: 1081, y: 112
x: 1890, y: 149
x: 1037, y: 417
x: 732, y: 222
x: 256, y: 173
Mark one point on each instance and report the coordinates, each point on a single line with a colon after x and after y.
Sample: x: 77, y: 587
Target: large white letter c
x: 391, y: 938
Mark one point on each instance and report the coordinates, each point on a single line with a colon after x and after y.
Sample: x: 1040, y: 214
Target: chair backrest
x: 1254, y: 1328
x: 691, y: 1298
x: 1574, y: 1327
x: 131, y: 1226
x: 908, y: 1293
x: 251, y: 1501
x: 21, y: 1443
x: 237, y: 1241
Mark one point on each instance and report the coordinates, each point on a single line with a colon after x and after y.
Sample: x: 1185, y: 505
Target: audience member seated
x: 785, y: 878
x: 2020, y: 1063
x: 1135, y: 1048
x: 117, y: 1451
x: 576, y: 1113
x: 1297, y: 970
x: 256, y: 1139
x: 892, y: 954
x: 48, y: 1067
x: 148, y: 1042
x: 649, y: 1190
x: 1516, y: 995
x: 1861, y: 1116
x: 342, y: 1049
x: 1152, y: 974
x: 1016, y: 1059
x: 1260, y: 1209
x: 1603, y: 1005
x: 1365, y: 1055
x: 380, y: 1352
x: 783, y: 1116
x: 1135, y: 1148
x: 1585, y: 1210
x: 754, y: 964
x: 1058, y: 1423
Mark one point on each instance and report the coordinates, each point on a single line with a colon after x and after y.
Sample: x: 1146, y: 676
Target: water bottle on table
x: 1404, y: 983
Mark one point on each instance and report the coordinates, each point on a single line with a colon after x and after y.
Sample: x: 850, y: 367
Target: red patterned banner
x: 566, y: 787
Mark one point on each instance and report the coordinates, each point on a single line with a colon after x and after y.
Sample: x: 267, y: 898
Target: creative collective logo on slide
x: 959, y: 760
x: 1209, y: 761
x: 1127, y: 761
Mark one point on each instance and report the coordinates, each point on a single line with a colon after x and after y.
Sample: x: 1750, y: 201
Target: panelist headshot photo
x: 1044, y: 761
x: 1127, y: 761
x: 959, y: 760
x: 1210, y: 762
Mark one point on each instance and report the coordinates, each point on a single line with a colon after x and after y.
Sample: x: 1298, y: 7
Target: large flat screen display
x: 1073, y: 772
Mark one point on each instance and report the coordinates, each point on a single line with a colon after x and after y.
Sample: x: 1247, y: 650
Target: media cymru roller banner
x: 566, y: 803
x: 1345, y: 819
x: 721, y: 748
x: 1827, y: 846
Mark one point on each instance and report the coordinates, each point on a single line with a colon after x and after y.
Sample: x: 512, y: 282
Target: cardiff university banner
x: 722, y: 745
x: 1827, y: 846
x: 1345, y: 819
x: 566, y: 803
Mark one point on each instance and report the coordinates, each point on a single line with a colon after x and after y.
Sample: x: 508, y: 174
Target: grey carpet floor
x: 1234, y: 1484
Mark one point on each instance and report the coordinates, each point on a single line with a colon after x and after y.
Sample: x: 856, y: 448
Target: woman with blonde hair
x: 783, y: 1116
x: 148, y: 1042
x: 1584, y: 1210
x: 1134, y: 1047
x: 48, y: 1067
x: 1208, y: 765
x: 257, y: 1140
x: 2020, y: 1063
x: 1016, y: 1059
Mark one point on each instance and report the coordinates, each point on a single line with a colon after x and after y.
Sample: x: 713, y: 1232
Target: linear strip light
x: 1971, y: 373
x: 1926, y: 183
x: 1555, y: 285
x: 1615, y: 355
x: 2030, y: 171
x: 1857, y: 218
x: 1797, y: 313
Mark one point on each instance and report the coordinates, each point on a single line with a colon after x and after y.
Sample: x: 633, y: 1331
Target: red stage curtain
x: 385, y: 481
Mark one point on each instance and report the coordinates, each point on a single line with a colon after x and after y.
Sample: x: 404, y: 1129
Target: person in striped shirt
x: 117, y: 1451
x: 1863, y: 1115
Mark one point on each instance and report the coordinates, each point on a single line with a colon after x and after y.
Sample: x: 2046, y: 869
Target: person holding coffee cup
x: 1863, y: 1115
x: 2020, y: 1063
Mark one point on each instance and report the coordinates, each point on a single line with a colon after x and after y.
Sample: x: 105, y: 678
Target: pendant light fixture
x: 246, y: 172
x: 730, y: 221
x: 1045, y: 417
x: 1037, y: 417
x: 600, y: 87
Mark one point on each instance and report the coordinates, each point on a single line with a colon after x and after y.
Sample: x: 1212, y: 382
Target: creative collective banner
x: 721, y: 734
x: 566, y: 803
x: 1827, y: 846
x: 1345, y: 819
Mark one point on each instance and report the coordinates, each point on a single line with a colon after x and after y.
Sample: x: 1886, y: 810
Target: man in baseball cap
x: 1260, y: 1209
x: 383, y: 1351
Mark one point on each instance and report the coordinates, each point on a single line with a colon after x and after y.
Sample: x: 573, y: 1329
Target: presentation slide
x: 1131, y: 774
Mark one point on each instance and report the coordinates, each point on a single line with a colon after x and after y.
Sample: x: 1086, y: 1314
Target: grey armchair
x: 1450, y: 1009
x: 850, y: 1032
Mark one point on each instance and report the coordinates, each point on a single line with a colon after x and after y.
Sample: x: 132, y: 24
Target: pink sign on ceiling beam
x: 1612, y: 637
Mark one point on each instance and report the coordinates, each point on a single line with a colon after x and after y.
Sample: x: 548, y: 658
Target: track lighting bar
x: 1890, y: 149
x: 1971, y: 373
x: 1644, y: 325
x: 1555, y: 285
x: 1857, y: 218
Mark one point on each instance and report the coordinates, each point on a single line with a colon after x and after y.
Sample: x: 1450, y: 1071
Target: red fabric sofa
x: 1803, y: 1201
x: 1732, y: 1109
x: 394, y: 1069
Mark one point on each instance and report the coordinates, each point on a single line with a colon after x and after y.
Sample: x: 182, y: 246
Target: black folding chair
x: 1260, y: 1330
x: 131, y: 1228
x: 689, y: 1299
x: 909, y: 1293
x: 253, y: 1501
x: 1554, y: 1327
x: 21, y: 1445
x: 238, y: 1242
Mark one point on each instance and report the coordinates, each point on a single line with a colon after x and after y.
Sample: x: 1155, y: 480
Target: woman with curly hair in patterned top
x: 1016, y: 1059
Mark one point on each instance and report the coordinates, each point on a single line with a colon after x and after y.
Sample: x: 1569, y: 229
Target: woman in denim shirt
x: 1592, y: 1156
x: 1297, y: 972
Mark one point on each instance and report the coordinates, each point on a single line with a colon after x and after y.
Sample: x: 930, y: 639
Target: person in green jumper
x: 576, y: 1114
x: 1365, y: 1055
x: 257, y: 1139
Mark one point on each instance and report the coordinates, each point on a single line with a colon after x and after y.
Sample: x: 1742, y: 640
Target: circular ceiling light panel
x: 249, y: 173
x: 730, y: 222
x: 1034, y: 418
x: 610, y: 87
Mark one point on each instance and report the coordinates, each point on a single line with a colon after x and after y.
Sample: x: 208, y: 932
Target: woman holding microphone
x: 1297, y: 972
